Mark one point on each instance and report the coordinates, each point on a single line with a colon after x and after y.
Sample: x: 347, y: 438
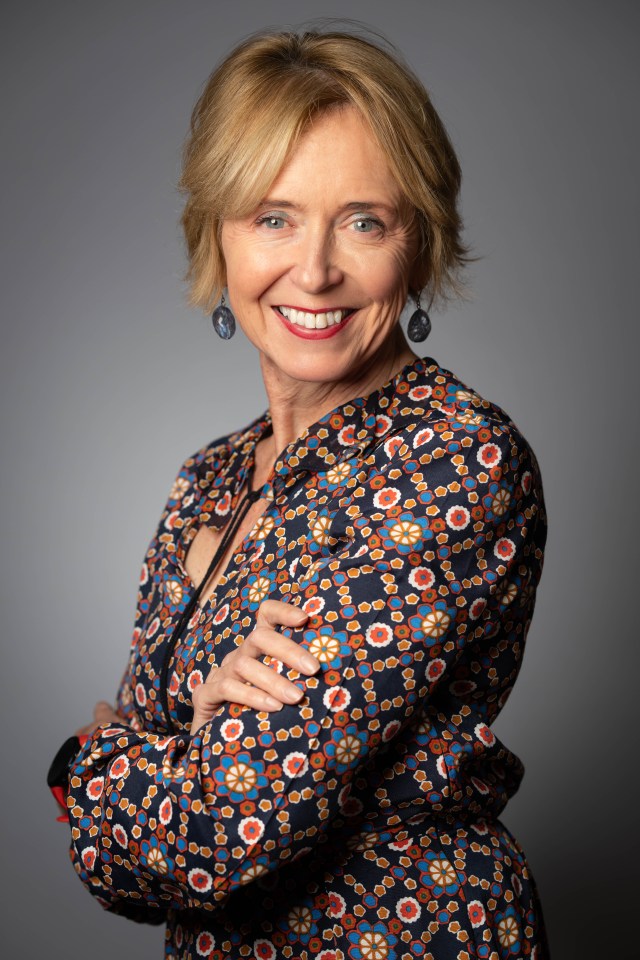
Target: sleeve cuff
x: 58, y: 775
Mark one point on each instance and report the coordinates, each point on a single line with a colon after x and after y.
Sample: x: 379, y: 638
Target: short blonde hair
x: 254, y: 108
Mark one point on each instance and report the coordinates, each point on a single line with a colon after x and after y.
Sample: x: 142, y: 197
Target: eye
x: 368, y: 224
x: 272, y: 221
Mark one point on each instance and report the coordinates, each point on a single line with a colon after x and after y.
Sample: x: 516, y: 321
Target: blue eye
x: 367, y: 224
x: 271, y: 221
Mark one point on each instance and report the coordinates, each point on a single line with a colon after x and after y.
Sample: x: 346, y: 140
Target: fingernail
x: 308, y: 662
x: 293, y: 695
x: 272, y: 703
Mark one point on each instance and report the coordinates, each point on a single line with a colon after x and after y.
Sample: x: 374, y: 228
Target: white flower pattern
x: 310, y: 831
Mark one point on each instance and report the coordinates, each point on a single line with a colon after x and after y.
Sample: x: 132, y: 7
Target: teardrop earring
x: 419, y: 325
x: 224, y: 322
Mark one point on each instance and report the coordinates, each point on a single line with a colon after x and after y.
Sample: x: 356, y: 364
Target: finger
x: 206, y: 702
x: 104, y: 712
x: 269, y: 641
x: 230, y: 689
x: 267, y: 680
x: 87, y: 730
x: 273, y: 613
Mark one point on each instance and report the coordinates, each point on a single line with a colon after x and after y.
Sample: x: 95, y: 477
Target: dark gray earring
x: 224, y: 322
x: 419, y: 325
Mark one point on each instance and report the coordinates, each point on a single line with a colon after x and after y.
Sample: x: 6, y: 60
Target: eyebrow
x: 353, y: 205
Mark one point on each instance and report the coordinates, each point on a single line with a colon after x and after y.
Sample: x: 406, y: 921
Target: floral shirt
x: 361, y: 822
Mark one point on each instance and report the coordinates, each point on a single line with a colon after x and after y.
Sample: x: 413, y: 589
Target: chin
x: 310, y: 369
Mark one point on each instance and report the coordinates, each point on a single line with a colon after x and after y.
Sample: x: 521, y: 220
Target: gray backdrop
x: 109, y: 381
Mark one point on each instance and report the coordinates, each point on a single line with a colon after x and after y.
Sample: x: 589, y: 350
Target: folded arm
x: 182, y: 821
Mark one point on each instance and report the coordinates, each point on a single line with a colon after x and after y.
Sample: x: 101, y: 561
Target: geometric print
x: 362, y: 821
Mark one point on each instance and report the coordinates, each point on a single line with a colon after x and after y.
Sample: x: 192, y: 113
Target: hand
x: 240, y: 678
x: 103, y: 713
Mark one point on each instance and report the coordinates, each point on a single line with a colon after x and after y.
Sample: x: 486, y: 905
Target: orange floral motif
x: 363, y: 822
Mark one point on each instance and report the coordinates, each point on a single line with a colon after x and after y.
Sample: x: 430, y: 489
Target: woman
x: 334, y: 607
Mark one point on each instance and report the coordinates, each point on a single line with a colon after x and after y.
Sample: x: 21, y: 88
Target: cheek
x: 245, y: 261
x: 385, y: 276
x: 388, y: 284
x: 251, y: 272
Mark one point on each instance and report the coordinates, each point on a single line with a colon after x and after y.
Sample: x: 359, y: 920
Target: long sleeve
x: 179, y: 500
x: 420, y: 589
x: 147, y: 586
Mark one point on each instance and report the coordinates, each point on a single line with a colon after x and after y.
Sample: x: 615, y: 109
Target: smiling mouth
x: 315, y: 319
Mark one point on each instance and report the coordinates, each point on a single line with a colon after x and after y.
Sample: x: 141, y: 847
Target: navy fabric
x: 362, y: 822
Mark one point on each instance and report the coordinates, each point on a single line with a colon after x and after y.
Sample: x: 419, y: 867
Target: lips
x: 314, y: 319
x: 314, y: 324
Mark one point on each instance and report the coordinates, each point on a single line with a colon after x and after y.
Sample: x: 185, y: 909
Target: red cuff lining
x: 60, y: 793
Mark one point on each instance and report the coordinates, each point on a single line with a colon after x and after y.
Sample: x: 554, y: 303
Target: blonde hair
x: 259, y: 101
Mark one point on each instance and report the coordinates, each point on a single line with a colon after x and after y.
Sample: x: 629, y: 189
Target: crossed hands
x: 241, y: 677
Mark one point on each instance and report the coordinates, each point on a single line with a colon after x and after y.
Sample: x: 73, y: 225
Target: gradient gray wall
x: 109, y: 381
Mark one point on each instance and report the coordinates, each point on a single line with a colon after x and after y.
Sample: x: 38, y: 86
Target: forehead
x: 337, y: 156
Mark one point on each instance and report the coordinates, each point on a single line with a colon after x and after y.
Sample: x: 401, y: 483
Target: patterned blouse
x: 361, y: 822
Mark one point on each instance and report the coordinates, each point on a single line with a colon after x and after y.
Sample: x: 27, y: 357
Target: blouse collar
x: 348, y: 430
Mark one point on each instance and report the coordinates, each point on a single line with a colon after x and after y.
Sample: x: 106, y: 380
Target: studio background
x: 109, y: 381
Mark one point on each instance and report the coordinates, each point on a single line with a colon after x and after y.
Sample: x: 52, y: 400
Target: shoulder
x: 200, y: 468
x: 440, y: 411
x: 445, y: 434
x: 452, y: 470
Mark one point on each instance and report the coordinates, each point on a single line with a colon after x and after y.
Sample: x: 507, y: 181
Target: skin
x: 334, y: 232
x: 319, y: 255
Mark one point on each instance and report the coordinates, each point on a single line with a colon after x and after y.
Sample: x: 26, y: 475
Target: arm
x: 125, y: 714
x: 169, y: 523
x: 182, y: 821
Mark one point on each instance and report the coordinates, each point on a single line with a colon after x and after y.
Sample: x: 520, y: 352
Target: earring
x: 419, y: 325
x: 224, y: 322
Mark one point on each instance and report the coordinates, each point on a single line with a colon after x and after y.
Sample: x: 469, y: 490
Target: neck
x: 294, y: 405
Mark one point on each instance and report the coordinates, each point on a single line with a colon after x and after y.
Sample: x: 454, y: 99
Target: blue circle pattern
x: 361, y: 823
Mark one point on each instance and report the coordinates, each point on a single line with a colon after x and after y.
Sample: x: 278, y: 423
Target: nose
x: 316, y: 266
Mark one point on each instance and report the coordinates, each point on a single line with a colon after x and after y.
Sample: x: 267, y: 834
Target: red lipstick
x: 305, y: 333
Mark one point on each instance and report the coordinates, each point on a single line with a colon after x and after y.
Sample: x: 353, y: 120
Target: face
x: 319, y: 273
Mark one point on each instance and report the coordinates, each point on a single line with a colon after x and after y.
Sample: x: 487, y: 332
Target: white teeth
x: 313, y: 321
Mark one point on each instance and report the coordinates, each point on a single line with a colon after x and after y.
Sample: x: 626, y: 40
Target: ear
x: 217, y: 240
x: 417, y: 277
x: 419, y: 270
